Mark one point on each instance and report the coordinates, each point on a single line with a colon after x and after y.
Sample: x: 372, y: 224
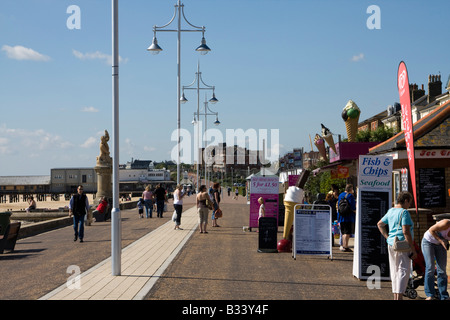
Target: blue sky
x: 286, y: 65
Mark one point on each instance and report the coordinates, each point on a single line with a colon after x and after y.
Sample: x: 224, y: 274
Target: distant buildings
x: 133, y: 176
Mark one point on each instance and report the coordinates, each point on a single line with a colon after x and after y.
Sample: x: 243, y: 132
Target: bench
x: 8, y: 240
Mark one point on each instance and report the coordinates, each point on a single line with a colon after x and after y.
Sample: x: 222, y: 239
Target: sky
x: 280, y: 67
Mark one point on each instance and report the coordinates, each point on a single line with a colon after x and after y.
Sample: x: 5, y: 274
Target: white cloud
x: 22, y: 53
x: 17, y: 140
x: 90, y: 142
x: 149, y: 149
x: 358, y: 57
x: 90, y: 109
x: 96, y: 56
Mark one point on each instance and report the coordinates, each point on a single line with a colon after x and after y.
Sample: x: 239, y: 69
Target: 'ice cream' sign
x: 375, y: 171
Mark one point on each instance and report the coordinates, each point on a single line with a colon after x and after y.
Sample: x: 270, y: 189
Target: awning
x: 331, y: 166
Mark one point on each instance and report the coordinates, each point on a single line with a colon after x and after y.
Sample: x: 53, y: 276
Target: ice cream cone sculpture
x: 328, y: 137
x: 350, y: 115
x: 293, y: 197
x: 288, y: 218
x: 320, y: 144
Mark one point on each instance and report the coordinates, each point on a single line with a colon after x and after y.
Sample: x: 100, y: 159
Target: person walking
x: 178, y: 204
x: 434, y: 249
x: 78, y: 208
x: 161, y: 198
x: 202, y: 208
x: 140, y: 206
x: 216, y: 201
x: 147, y: 195
x: 346, y: 216
x: 400, y: 225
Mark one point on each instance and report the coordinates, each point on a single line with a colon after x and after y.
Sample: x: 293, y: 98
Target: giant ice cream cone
x: 329, y: 139
x: 328, y: 136
x: 352, y: 129
x: 320, y: 144
x: 350, y: 115
x: 293, y: 197
x: 288, y: 218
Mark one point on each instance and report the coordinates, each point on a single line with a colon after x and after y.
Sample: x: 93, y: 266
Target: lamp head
x: 213, y: 100
x: 154, y: 48
x: 203, y: 48
x: 183, y: 99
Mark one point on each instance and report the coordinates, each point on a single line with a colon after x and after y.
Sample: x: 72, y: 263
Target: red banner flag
x: 405, y: 101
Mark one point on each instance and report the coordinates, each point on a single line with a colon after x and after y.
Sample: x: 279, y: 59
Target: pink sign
x: 266, y: 188
x: 293, y: 180
x: 405, y: 101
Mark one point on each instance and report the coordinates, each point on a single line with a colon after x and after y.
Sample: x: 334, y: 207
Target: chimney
x: 415, y: 92
x: 434, y: 87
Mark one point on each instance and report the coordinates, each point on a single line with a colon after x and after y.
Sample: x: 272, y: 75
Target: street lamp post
x: 155, y: 49
x: 207, y: 112
x: 116, y: 227
x: 197, y: 80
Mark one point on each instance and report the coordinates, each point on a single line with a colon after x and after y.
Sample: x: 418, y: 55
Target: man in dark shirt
x: 78, y: 207
x: 161, y: 197
x: 347, y: 223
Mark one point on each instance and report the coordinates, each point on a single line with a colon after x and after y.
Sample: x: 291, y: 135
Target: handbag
x: 174, y: 216
x: 218, y: 213
x: 209, y: 204
x: 400, y: 245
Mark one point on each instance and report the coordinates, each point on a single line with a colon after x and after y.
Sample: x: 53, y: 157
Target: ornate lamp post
x: 198, y: 79
x: 207, y: 112
x: 155, y: 49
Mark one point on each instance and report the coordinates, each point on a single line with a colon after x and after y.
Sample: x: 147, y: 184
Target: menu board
x: 373, y: 250
x: 432, y: 187
x: 312, y: 230
x: 373, y: 201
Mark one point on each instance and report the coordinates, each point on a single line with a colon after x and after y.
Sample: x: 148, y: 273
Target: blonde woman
x: 178, y: 204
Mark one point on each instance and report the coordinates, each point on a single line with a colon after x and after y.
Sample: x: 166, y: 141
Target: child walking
x: 140, y: 206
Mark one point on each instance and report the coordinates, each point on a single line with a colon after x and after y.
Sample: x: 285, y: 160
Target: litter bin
x: 4, y: 221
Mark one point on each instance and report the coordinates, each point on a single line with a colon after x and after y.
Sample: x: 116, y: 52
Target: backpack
x: 344, y: 207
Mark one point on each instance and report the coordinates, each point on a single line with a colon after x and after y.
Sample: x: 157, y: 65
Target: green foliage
x: 382, y: 133
x: 321, y: 183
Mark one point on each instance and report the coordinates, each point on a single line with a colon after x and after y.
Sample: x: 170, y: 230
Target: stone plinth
x: 104, y: 181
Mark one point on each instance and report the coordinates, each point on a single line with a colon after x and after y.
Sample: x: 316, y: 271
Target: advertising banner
x: 373, y: 200
x: 405, y: 102
x: 268, y: 189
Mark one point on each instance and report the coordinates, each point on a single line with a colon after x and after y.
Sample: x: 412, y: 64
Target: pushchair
x: 418, y: 274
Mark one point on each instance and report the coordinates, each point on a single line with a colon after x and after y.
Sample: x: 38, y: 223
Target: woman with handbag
x: 178, y: 205
x: 217, y: 212
x: 204, y: 204
x: 434, y: 249
x: 400, y: 242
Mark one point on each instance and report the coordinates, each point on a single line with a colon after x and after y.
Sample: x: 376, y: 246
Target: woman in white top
x: 178, y: 204
x: 434, y: 248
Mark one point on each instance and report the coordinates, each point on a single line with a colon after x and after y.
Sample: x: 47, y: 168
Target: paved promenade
x: 160, y: 263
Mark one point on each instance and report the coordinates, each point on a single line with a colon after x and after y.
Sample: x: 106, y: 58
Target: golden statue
x: 104, y: 157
